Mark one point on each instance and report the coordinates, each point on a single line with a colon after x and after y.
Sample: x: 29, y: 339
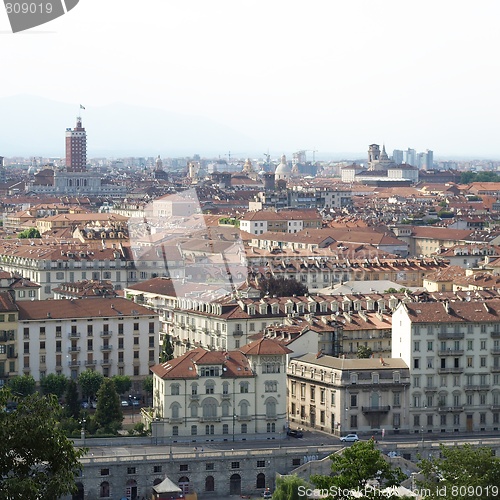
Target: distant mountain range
x: 35, y: 126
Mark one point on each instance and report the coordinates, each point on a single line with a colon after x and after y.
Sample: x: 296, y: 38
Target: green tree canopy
x: 90, y: 381
x: 32, y: 232
x: 54, y: 384
x: 281, y: 287
x: 355, y: 467
x: 72, y: 407
x: 364, y: 352
x: 22, y: 385
x: 108, y: 415
x: 461, y: 472
x: 167, y: 349
x: 36, y: 459
x: 147, y: 384
x: 123, y: 383
x: 290, y: 488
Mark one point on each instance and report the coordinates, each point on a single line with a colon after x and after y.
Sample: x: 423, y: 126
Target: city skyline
x: 329, y: 77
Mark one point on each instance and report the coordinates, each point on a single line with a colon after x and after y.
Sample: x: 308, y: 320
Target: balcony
x: 175, y: 420
x: 375, y: 409
x: 194, y: 397
x: 74, y: 362
x: 495, y: 350
x: 105, y: 362
x: 451, y: 336
x: 106, y: 347
x: 452, y: 409
x: 73, y: 348
x: 430, y: 388
x: 495, y: 407
x: 74, y: 335
x: 495, y: 369
x: 244, y: 418
x: 90, y: 362
x: 445, y: 371
x: 226, y: 396
x: 495, y: 335
x: 451, y: 352
x: 105, y: 334
x: 237, y: 333
x: 209, y: 419
x: 483, y: 387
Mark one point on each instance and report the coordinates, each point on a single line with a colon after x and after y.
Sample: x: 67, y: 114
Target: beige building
x: 221, y: 395
x: 111, y: 335
x: 453, y: 351
x: 9, y: 315
x: 341, y: 396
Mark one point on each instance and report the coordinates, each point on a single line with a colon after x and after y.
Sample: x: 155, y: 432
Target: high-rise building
x: 76, y: 148
x: 411, y: 157
x: 429, y: 161
x: 397, y: 156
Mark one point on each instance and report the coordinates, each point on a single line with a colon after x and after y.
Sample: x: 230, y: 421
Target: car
x: 124, y: 402
x: 295, y: 433
x: 267, y: 494
x: 350, y: 438
x: 136, y: 402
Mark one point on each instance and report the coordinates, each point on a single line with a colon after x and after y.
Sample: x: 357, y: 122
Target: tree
x: 36, y: 459
x: 147, y: 387
x: 72, y: 407
x: 54, y: 384
x: 32, y: 232
x: 122, y: 383
x: 90, y: 381
x: 364, y: 352
x: 22, y: 385
x: 167, y: 349
x: 355, y: 467
x: 460, y: 471
x: 281, y: 287
x: 108, y: 415
x: 289, y: 488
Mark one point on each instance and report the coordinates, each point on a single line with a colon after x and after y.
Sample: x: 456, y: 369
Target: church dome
x: 283, y: 169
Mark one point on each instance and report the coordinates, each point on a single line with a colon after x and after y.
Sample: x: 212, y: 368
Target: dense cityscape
x: 209, y: 325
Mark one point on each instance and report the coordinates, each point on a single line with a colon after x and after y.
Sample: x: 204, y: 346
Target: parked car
x: 295, y: 433
x: 267, y: 494
x: 124, y: 402
x: 350, y: 438
x: 136, y: 402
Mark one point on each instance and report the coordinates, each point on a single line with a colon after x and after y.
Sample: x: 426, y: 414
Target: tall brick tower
x: 76, y: 148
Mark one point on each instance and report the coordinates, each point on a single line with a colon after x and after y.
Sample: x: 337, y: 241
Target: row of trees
x: 108, y: 416
x: 458, y: 472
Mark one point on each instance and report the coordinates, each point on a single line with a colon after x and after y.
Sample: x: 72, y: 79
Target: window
x: 261, y: 463
x: 244, y: 428
x: 183, y: 468
x: 482, y: 361
x: 470, y: 362
x: 354, y: 400
x: 104, y: 490
x: 130, y: 470
x: 225, y: 429
x: 354, y: 421
x: 194, y: 430
x: 416, y: 345
x: 396, y: 399
x: 104, y: 472
x: 429, y: 346
x: 157, y: 469
x: 416, y: 363
x: 244, y: 387
x: 235, y: 465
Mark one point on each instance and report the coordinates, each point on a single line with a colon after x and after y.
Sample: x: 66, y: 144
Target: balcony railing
x: 209, y: 419
x: 375, y: 409
x: 444, y: 371
x: 483, y: 387
x: 446, y: 409
x: 450, y: 335
x: 451, y: 352
x: 106, y: 348
x: 106, y: 333
x: 73, y: 349
x: 244, y: 418
x: 74, y: 335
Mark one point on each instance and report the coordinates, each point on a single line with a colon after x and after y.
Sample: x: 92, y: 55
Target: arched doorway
x: 235, y: 485
x: 261, y: 480
x: 184, y: 484
x: 132, y: 489
x: 80, y: 492
x: 209, y: 483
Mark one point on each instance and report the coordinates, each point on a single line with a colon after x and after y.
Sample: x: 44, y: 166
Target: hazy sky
x: 332, y: 75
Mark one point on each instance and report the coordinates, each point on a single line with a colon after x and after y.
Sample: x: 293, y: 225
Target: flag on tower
x: 81, y: 107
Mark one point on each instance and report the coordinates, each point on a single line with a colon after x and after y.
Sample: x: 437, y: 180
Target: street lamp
x: 82, y: 422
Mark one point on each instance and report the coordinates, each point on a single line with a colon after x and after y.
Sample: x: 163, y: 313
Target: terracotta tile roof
x: 264, y: 346
x: 7, y: 303
x: 454, y: 312
x: 233, y: 364
x: 352, y: 364
x: 66, y: 308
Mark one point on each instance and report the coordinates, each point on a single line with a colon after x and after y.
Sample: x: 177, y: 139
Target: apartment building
x: 221, y: 395
x: 284, y: 221
x: 9, y: 315
x: 340, y: 396
x: 453, y: 352
x: 114, y: 336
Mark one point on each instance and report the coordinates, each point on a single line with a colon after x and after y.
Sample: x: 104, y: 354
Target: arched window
x: 225, y: 409
x: 210, y: 407
x: 175, y: 410
x: 194, y: 410
x: 244, y: 428
x: 209, y: 483
x: 261, y: 480
x: 271, y: 408
x: 104, y: 490
x: 244, y: 408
